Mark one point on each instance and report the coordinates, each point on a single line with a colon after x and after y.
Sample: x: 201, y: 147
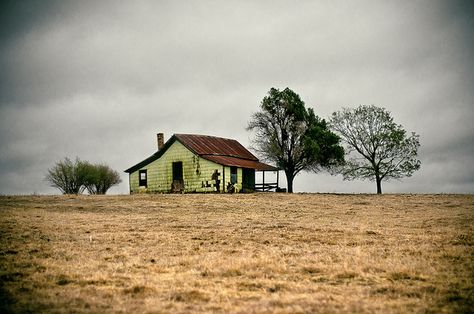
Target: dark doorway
x: 233, y: 175
x: 178, y: 171
x: 178, y: 184
x: 248, y: 179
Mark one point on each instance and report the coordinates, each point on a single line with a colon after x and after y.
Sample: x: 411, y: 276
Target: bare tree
x: 67, y: 176
x: 377, y: 148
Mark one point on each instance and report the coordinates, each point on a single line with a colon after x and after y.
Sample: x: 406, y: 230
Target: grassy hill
x: 237, y: 253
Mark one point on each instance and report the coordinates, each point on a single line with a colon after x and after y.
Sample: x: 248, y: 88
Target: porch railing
x: 265, y: 187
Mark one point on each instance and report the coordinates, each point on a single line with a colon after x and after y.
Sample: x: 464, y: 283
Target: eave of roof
x: 153, y: 157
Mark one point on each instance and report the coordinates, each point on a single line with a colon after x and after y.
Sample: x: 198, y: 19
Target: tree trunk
x: 379, y: 184
x: 289, y: 181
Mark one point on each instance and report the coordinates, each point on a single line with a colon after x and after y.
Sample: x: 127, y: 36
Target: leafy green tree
x: 68, y: 176
x: 100, y: 178
x: 293, y: 137
x: 377, y: 148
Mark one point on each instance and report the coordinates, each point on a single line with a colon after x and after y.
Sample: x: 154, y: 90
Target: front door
x: 178, y: 183
x: 178, y: 171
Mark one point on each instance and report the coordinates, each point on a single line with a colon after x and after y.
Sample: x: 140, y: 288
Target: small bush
x: 99, y: 178
x: 75, y: 177
x: 67, y: 176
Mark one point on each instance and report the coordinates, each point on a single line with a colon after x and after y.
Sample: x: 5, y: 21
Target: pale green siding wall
x: 196, y: 171
x: 133, y: 180
x: 227, y: 177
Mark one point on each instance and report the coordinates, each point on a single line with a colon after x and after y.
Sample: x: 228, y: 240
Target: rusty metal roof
x: 224, y: 151
x: 211, y: 145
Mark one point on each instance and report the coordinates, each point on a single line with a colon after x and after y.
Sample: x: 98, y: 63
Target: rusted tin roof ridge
x: 214, y: 146
x: 224, y: 151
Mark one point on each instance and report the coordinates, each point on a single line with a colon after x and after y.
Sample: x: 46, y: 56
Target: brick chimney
x: 160, y: 138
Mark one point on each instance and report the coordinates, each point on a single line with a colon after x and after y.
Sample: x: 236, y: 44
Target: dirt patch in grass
x: 237, y: 253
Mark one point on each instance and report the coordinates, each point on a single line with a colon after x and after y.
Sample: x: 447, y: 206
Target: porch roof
x: 239, y: 162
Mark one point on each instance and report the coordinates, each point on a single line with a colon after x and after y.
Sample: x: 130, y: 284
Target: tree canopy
x: 67, y: 176
x: 293, y: 137
x: 100, y: 178
x: 377, y: 148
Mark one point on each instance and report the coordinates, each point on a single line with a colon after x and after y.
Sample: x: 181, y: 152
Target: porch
x: 270, y: 181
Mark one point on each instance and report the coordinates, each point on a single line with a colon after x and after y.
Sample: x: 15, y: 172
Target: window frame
x: 142, y: 182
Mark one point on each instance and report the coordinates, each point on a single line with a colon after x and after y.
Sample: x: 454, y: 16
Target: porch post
x: 278, y: 175
x: 223, y: 179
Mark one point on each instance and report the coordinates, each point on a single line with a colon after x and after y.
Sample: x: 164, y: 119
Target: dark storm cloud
x: 20, y: 17
x: 98, y: 79
x: 18, y: 20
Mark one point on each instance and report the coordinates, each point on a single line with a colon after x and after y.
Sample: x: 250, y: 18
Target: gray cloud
x: 98, y: 79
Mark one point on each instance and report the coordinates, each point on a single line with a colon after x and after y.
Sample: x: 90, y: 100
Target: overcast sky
x: 99, y: 79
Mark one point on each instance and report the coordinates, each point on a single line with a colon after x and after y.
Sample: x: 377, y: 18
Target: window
x: 233, y: 175
x: 142, y: 178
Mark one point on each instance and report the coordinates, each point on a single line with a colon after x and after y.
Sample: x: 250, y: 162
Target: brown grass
x: 237, y: 253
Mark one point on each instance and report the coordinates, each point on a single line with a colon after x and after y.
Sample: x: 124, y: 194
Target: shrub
x: 67, y: 176
x: 100, y: 178
x: 75, y: 177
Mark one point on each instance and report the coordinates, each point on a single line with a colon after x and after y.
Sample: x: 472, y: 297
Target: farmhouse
x: 198, y: 163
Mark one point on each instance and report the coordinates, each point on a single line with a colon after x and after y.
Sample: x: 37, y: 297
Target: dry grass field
x: 237, y: 253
